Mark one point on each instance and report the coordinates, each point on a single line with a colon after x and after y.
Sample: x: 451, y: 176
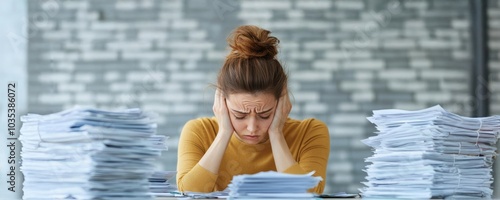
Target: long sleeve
x: 190, y: 175
x: 314, y: 154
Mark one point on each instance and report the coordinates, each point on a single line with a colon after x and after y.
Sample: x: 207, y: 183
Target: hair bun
x: 252, y: 42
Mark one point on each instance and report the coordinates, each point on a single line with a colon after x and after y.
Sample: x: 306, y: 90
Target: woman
x: 251, y: 131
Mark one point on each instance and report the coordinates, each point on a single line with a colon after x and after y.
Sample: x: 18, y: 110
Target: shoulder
x: 202, y: 127
x: 202, y: 122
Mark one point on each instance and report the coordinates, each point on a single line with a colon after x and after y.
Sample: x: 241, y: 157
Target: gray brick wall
x: 345, y: 59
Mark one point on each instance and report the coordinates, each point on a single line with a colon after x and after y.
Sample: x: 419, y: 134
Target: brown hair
x: 251, y: 66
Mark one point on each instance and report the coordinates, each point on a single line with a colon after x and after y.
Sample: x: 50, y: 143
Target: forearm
x: 213, y: 157
x: 283, y: 158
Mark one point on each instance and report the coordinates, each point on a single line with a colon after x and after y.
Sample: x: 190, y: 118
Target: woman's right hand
x: 222, y: 114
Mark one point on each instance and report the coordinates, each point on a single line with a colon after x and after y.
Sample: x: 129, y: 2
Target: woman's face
x: 251, y: 115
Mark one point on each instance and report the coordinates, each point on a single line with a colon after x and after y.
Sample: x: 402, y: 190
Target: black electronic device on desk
x: 338, y: 195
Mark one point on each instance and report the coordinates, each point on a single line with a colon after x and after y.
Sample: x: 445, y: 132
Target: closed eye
x: 266, y: 117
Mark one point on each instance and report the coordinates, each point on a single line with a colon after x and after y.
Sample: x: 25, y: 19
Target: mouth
x: 251, y: 137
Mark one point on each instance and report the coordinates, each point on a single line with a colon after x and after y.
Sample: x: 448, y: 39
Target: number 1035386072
x: 11, y: 109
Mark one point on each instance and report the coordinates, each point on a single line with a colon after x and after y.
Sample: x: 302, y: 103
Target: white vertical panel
x: 13, y: 42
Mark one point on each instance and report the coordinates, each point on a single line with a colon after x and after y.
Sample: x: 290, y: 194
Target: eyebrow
x: 265, y: 111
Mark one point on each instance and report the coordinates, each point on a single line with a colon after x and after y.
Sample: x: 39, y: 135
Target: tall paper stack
x: 87, y: 153
x: 430, y: 153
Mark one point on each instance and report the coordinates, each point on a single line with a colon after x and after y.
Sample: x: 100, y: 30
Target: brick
x: 326, y: 65
x: 79, y: 5
x: 406, y: 85
x: 318, y: 45
x: 494, y: 24
x: 341, y: 167
x: 99, y: 55
x: 109, y: 26
x: 312, y: 76
x: 392, y: 74
x: 255, y: 14
x: 145, y: 76
x: 355, y: 85
x: 188, y: 76
x: 389, y: 34
x: 170, y: 15
x: 94, y: 35
x: 346, y: 130
x: 461, y: 55
x: 364, y: 64
x: 65, y: 66
x: 120, y: 87
x: 85, y: 77
x: 289, y: 45
x: 313, y: 5
x: 454, y: 86
x: 126, y: 5
x: 54, y: 99
x: 444, y: 74
x: 152, y: 35
x: 420, y: 63
x: 416, y: 33
x: 306, y: 96
x: 186, y: 55
x: 184, y: 24
x: 409, y: 106
x: 434, y: 97
x: 295, y: 14
x: 349, y: 5
x: 399, y: 44
x: 57, y: 35
x: 216, y: 55
x: 184, y: 108
x: 265, y: 5
x: 304, y: 55
x: 197, y: 35
x: 364, y: 96
x: 188, y: 45
x: 347, y: 54
x: 143, y: 55
x: 83, y: 98
x: 439, y: 44
x: 414, y: 24
x: 357, y: 25
x: 447, y: 33
x: 148, y: 25
x: 83, y: 15
x: 363, y: 75
x: 112, y: 76
x: 54, y: 77
x: 126, y: 45
x: 346, y: 106
x: 70, y: 87
x: 419, y: 5
x: 348, y: 118
x: 315, y: 108
x: 158, y: 108
x: 172, y: 5
x: 460, y: 24
x: 103, y: 98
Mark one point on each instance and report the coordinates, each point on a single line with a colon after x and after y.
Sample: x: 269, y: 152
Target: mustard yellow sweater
x: 308, y: 140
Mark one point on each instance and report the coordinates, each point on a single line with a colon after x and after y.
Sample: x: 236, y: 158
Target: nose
x: 252, y: 125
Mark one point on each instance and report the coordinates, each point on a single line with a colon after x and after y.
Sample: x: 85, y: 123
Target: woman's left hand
x: 281, y: 114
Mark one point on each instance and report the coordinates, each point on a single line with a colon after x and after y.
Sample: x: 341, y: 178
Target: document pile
x: 273, y: 185
x: 430, y: 153
x: 87, y: 153
x: 159, y: 185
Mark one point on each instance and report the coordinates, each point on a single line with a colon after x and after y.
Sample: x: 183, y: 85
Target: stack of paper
x: 430, y: 153
x: 159, y: 185
x: 273, y: 185
x: 86, y: 153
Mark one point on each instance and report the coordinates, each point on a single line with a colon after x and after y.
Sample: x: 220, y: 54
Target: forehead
x: 259, y: 100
